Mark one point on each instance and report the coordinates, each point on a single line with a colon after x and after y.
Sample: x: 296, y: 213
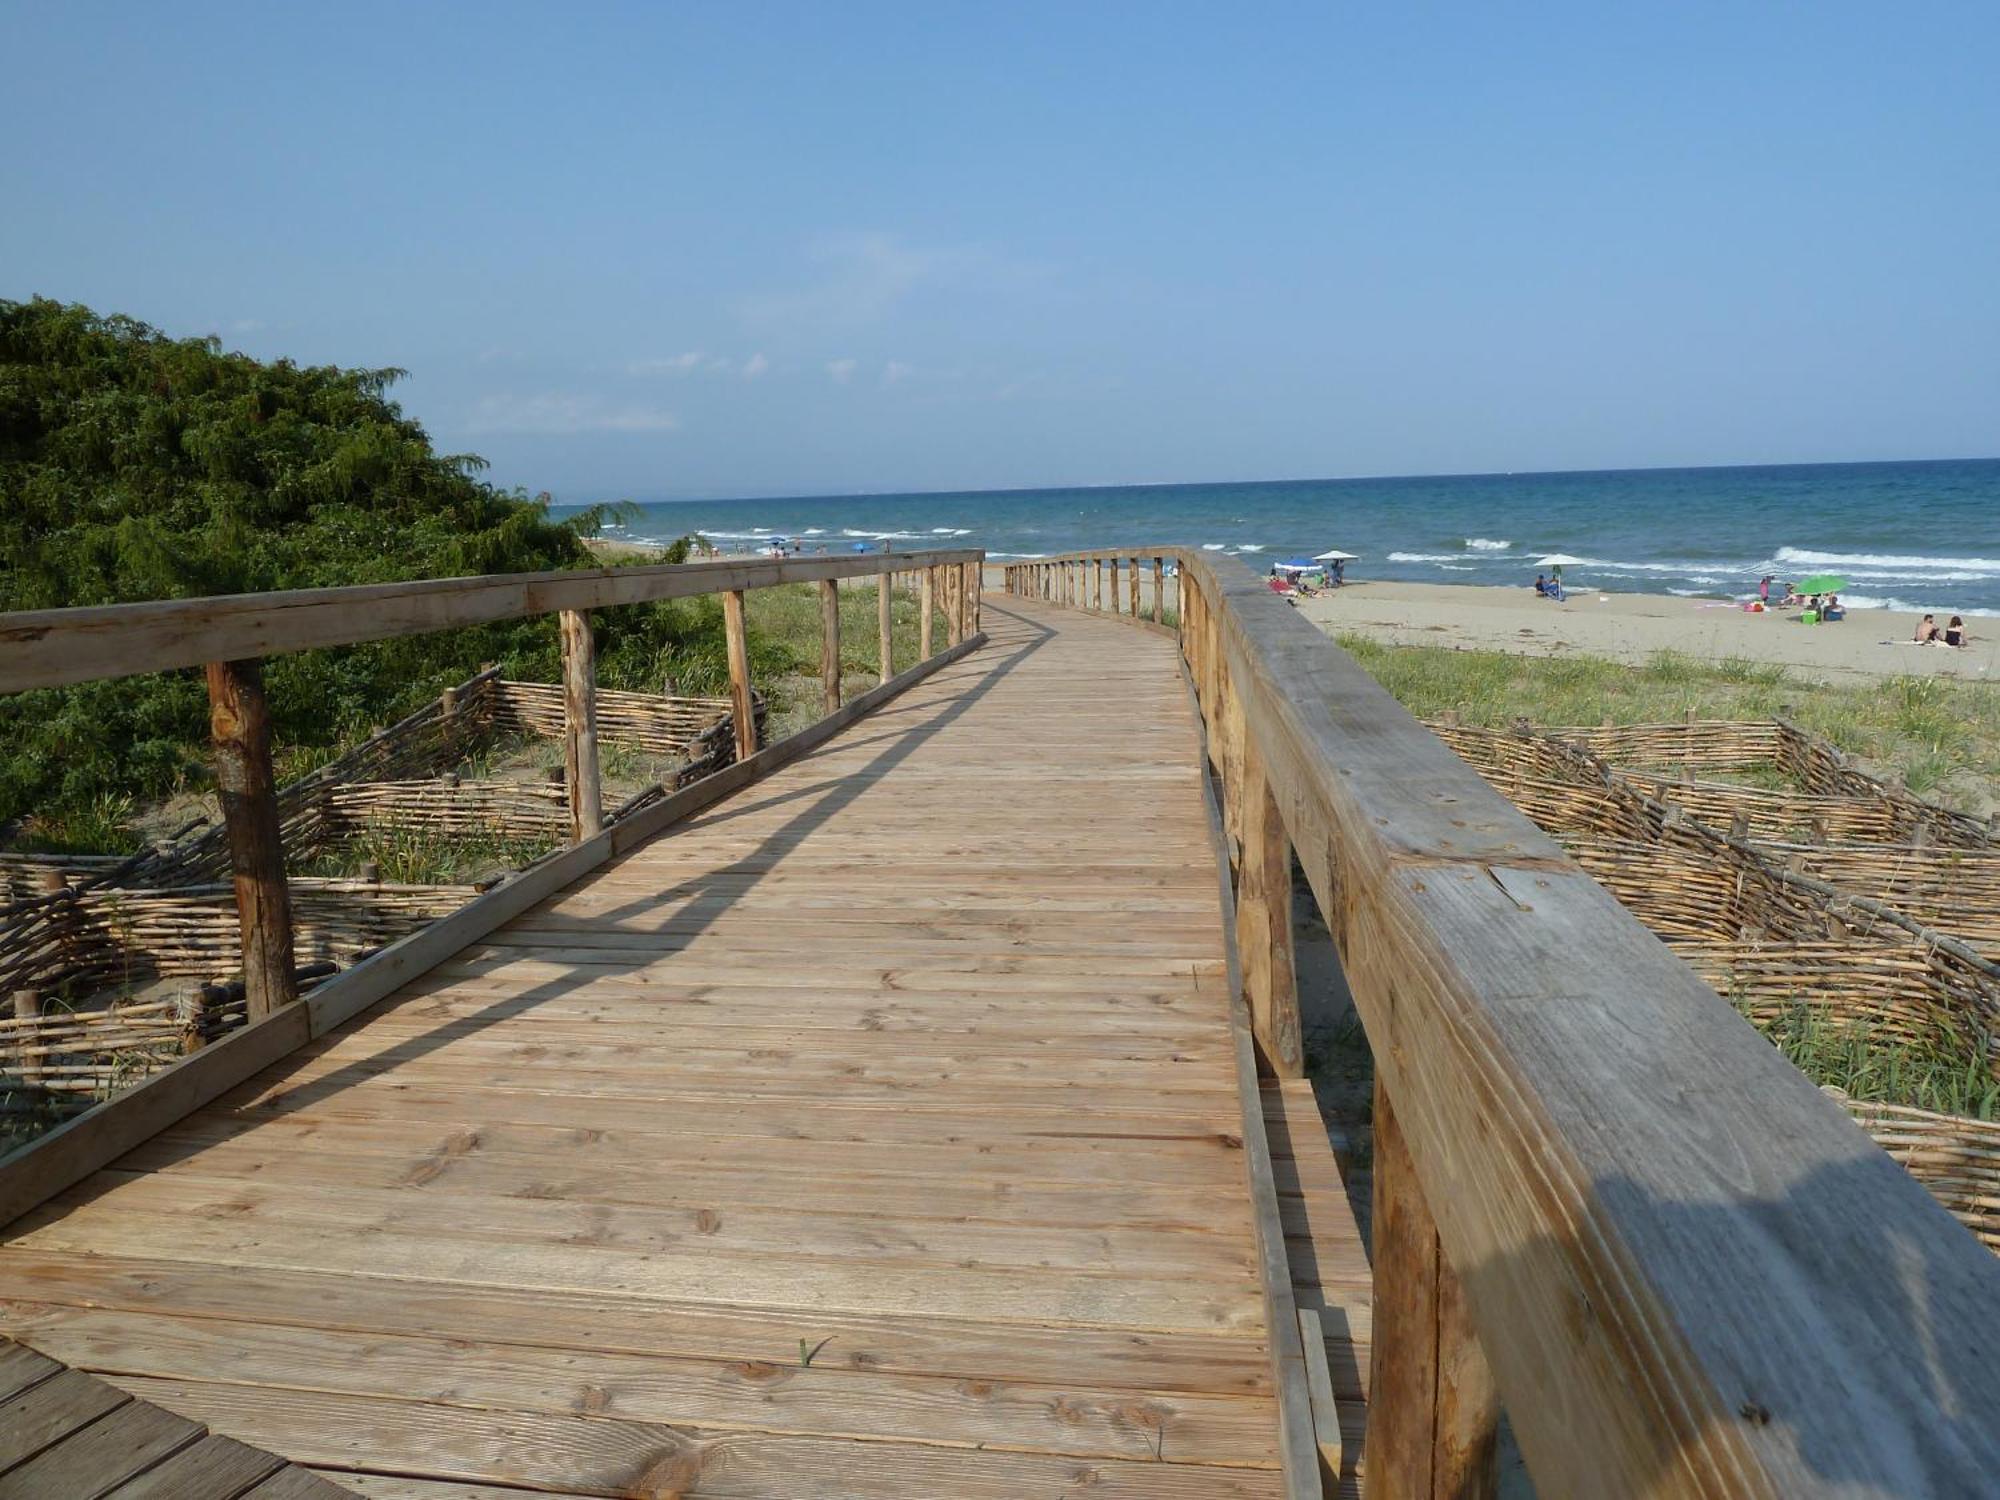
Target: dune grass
x: 1941, y: 738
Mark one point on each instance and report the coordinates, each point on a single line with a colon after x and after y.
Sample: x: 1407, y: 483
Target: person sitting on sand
x: 1555, y: 591
x: 1955, y: 634
x: 1792, y: 596
x: 1542, y: 585
x: 1927, y: 631
x: 1831, y: 610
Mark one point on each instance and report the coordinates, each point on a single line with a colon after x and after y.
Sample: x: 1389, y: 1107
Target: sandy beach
x: 1869, y: 643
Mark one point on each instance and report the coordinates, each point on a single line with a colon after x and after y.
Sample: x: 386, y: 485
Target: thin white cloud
x: 754, y: 366
x: 895, y: 370
x: 246, y: 325
x: 565, y: 412
x: 672, y: 364
x: 842, y: 370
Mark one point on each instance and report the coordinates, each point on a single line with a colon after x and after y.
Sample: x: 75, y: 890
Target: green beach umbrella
x: 1821, y: 583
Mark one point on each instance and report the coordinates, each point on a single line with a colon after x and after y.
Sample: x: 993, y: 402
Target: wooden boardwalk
x: 875, y: 1132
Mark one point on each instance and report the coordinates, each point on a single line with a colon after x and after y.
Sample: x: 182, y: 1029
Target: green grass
x: 428, y: 858
x: 1878, y: 1070
x: 1941, y: 738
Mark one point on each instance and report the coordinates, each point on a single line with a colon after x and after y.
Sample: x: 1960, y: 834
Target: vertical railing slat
x: 742, y: 709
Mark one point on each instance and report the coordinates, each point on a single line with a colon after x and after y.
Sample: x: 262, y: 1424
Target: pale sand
x: 1632, y: 627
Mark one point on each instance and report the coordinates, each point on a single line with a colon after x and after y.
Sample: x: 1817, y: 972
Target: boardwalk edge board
x: 94, y: 1139
x: 1298, y: 1444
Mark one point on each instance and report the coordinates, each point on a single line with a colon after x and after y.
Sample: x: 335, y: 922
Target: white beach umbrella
x: 1336, y: 555
x: 1562, y: 560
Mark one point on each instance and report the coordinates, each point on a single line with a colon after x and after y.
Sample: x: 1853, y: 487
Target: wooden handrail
x: 51, y: 647
x: 1690, y: 1272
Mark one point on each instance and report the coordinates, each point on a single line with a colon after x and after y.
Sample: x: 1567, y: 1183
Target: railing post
x: 1112, y: 564
x: 1264, y: 917
x: 1132, y: 585
x: 885, y: 628
x: 580, y: 768
x: 954, y: 605
x: 741, y: 707
x: 926, y: 595
x: 1097, y: 584
x: 829, y: 644
x: 1433, y: 1410
x: 240, y: 725
x: 1160, y: 593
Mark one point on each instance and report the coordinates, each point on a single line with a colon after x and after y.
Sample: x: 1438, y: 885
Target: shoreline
x: 1633, y: 628
x: 1870, y: 644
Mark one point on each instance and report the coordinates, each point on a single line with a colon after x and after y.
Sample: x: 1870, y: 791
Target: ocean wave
x: 1454, y: 567
x: 1430, y: 557
x: 1903, y: 606
x: 814, y: 531
x: 1486, y: 544
x: 951, y: 531
x: 1980, y: 567
x: 1251, y: 547
x: 883, y: 536
x: 1213, y: 546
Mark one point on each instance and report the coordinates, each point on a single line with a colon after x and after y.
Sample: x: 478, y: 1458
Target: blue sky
x: 687, y: 250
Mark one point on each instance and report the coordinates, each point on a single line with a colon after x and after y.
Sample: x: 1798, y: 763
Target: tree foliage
x: 138, y: 466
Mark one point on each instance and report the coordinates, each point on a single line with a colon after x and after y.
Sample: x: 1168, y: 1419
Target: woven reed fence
x: 447, y: 807
x: 1957, y: 890
x: 648, y: 722
x: 1956, y: 1158
x: 1769, y: 936
x: 1831, y: 799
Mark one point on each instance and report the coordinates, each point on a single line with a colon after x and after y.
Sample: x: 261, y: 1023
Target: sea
x: 1914, y: 535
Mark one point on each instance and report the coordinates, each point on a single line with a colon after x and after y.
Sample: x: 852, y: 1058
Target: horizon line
x: 1173, y: 484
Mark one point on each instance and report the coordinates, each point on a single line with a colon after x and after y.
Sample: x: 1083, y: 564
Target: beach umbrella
x: 1821, y: 583
x: 1302, y: 565
x: 1336, y: 555
x: 860, y: 546
x: 1561, y: 560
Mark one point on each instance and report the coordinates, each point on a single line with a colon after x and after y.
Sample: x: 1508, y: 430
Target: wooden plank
x: 742, y: 710
x: 580, y: 767
x: 211, y: 1468
x: 240, y: 729
x: 21, y: 1367
x: 46, y: 1413
x: 97, y: 1459
x: 293, y: 1483
x: 1325, y: 1408
x: 51, y: 647
x: 609, y: 1455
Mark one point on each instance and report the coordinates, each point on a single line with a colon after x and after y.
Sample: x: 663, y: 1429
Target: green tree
x: 138, y: 466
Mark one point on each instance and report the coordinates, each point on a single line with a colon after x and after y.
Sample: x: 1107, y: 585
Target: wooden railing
x: 1601, y: 1199
x: 229, y: 638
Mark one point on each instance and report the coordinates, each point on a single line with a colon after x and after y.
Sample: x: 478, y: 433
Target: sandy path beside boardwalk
x: 1631, y: 627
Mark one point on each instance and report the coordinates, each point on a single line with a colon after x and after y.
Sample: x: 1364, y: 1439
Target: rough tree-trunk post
x: 28, y: 1007
x: 1132, y: 585
x: 1433, y: 1410
x: 744, y: 711
x: 829, y: 644
x: 926, y: 596
x: 581, y: 776
x: 1159, y: 591
x: 954, y: 617
x: 885, y: 602
x: 240, y: 727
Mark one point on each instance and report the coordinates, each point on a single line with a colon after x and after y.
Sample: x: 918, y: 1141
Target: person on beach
x: 1542, y: 585
x: 1927, y: 631
x: 1955, y: 634
x: 1764, y: 590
